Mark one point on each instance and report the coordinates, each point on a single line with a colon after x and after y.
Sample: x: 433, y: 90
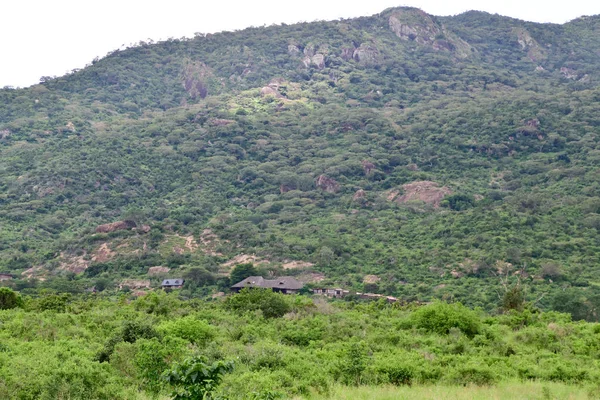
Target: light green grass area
x: 508, y: 390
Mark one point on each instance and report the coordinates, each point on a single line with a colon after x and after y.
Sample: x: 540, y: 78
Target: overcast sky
x: 50, y: 37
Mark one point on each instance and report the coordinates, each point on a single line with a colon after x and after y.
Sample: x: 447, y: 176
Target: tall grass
x: 506, y: 390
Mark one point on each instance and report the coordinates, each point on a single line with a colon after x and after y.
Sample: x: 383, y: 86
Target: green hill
x: 450, y: 157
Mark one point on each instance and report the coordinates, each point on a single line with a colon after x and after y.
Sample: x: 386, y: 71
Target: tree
x: 272, y: 305
x: 194, y: 379
x: 9, y: 299
x: 241, y: 272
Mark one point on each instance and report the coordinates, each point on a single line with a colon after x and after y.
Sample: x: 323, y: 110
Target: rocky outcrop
x: 568, y: 73
x: 359, y: 196
x: 195, y: 78
x: 135, y: 284
x: 535, y: 52
x: 327, y: 184
x: 417, y: 26
x: 366, y: 54
x: 371, y: 279
x: 293, y: 50
x: 318, y: 60
x: 425, y: 191
x: 115, y: 226
x: 272, y: 89
x: 367, y: 166
x: 220, y: 122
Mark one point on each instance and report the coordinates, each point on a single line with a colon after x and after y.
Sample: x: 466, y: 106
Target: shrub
x: 397, y: 374
x: 195, y: 379
x: 473, y: 375
x: 440, y: 317
x: 9, y: 299
x: 272, y: 305
x: 188, y: 328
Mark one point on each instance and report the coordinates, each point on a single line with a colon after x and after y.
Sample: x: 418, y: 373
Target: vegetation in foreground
x: 263, y: 345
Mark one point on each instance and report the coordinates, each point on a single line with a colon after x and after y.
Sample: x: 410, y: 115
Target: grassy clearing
x: 507, y: 390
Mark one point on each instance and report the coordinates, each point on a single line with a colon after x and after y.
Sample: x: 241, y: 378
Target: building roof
x: 173, y: 282
x: 284, y: 282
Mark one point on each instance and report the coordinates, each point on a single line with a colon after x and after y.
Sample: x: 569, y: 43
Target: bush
x: 190, y: 329
x: 473, y: 375
x: 441, y: 317
x: 9, y: 299
x: 272, y: 305
x: 195, y: 379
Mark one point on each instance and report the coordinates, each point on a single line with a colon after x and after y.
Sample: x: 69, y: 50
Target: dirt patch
x: 327, y: 184
x: 103, y: 253
x: 425, y: 191
x: 371, y: 279
x: 190, y: 243
x: 209, y: 241
x: 244, y: 259
x: 75, y: 264
x: 32, y: 272
x: 311, y: 277
x: 158, y: 270
x: 135, y: 284
x: 392, y: 194
x: 115, y: 226
x: 297, y: 264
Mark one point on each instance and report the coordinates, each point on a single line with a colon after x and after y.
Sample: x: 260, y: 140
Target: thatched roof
x: 284, y: 282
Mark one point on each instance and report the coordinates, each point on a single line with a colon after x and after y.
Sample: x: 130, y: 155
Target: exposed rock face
x: 535, y: 52
x: 115, y: 226
x: 272, y: 89
x: 318, y: 61
x: 367, y: 166
x: 297, y: 264
x: 416, y: 25
x: 144, y: 228
x: 425, y: 191
x: 366, y: 54
x: 347, y: 53
x: 4, y: 133
x: 104, y: 253
x: 195, y: 79
x: 284, y: 188
x: 568, y: 73
x: 135, y: 284
x: 5, y: 277
x: 371, y: 279
x: 220, y: 122
x: 359, y: 196
x: 293, y: 50
x: 327, y: 184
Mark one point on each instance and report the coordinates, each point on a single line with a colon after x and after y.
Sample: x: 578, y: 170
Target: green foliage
x: 53, y: 302
x: 151, y: 362
x: 188, y: 328
x: 194, y: 379
x: 241, y: 272
x: 513, y: 299
x: 441, y: 317
x: 271, y: 304
x: 9, y: 299
x: 353, y: 364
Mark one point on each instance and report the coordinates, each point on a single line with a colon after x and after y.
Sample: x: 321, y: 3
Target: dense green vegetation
x: 311, y: 143
x: 157, y: 346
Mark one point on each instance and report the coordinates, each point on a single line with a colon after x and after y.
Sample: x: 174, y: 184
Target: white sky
x: 50, y: 37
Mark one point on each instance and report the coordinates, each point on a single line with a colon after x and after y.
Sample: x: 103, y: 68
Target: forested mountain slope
x: 401, y: 153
